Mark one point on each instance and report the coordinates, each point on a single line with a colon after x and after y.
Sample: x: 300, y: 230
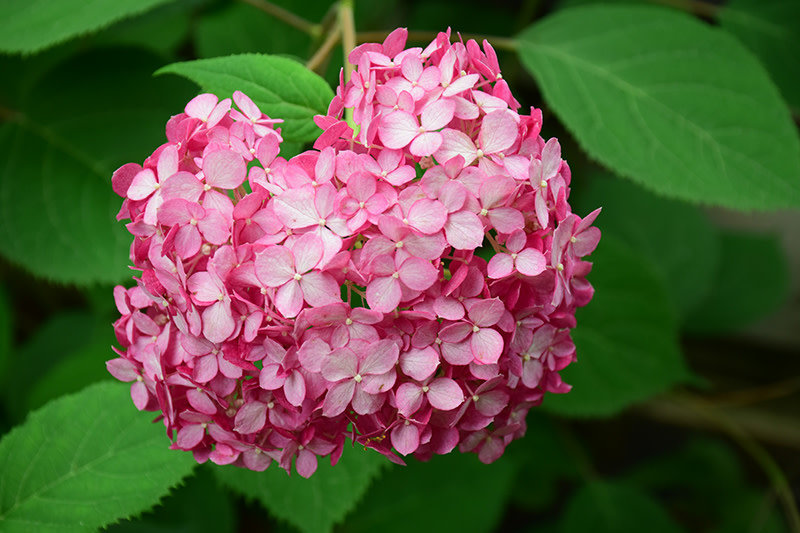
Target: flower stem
x: 348, y: 25
x: 288, y: 17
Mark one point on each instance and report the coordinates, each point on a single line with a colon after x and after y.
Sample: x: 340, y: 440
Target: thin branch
x: 772, y: 391
x: 325, y: 49
x: 288, y: 17
x: 696, y: 412
x: 500, y: 43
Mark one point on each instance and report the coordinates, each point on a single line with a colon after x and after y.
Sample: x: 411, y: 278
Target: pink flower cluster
x: 284, y: 305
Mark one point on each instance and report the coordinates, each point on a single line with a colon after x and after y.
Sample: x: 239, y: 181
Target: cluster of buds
x: 285, y: 305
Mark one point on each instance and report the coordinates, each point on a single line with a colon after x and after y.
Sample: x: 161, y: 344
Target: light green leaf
x: 666, y: 100
x: 604, y: 507
x: 81, y: 121
x: 772, y: 31
x: 31, y: 25
x: 281, y: 87
x: 752, y: 281
x: 84, y: 461
x: 626, y: 338
x: 454, y: 492
x: 312, y: 505
x: 200, y: 506
x: 677, y: 239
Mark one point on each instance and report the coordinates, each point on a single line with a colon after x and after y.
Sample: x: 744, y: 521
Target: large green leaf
x: 312, y: 505
x: 752, y: 281
x: 75, y: 127
x: 179, y: 512
x: 450, y: 493
x: 282, y: 88
x: 31, y: 25
x: 84, y: 461
x: 676, y: 238
x: 771, y: 29
x: 662, y: 98
x: 605, y: 507
x: 626, y: 338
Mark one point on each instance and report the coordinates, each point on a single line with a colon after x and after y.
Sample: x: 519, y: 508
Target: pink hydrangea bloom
x: 283, y: 306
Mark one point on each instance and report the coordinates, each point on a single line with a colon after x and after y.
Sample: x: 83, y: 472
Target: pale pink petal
x: 500, y: 266
x: 340, y: 364
x: 461, y: 84
x: 425, y: 144
x: 457, y: 353
x: 409, y: 398
x: 306, y: 463
x: 437, y: 115
x: 383, y: 294
x: 201, y: 106
x: 398, y: 129
x: 492, y: 402
x: 498, y: 131
x: 405, y: 438
x: 246, y: 105
x: 532, y: 372
x: 456, y: 143
x: 486, y: 312
x: 122, y: 369
x: 307, y: 252
x: 218, y: 324
x: 296, y: 208
x: 380, y: 358
x: 214, y: 228
x: 464, y: 230
x: 531, y: 262
x: 274, y: 266
x: 224, y: 169
x: 270, y: 377
x: 205, y: 368
x: 250, y: 418
x: 445, y: 394
x: 204, y: 287
x: 427, y: 216
x: 419, y: 364
x: 586, y: 241
x: 319, y: 289
x: 289, y: 299
x: 491, y: 450
x: 378, y: 383
x: 200, y: 401
x: 338, y: 398
x: 448, y: 308
x: 486, y: 345
x: 190, y: 436
x: 365, y: 403
x: 418, y: 274
x: 506, y: 219
x: 551, y: 159
x: 143, y: 185
x: 139, y: 395
x: 295, y: 389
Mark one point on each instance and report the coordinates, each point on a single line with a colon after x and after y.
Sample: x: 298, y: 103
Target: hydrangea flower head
x: 283, y: 306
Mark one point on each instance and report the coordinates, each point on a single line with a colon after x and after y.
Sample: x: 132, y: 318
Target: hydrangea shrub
x: 283, y: 306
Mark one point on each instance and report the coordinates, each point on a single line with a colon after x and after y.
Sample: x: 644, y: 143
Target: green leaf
x: 771, y: 30
x: 31, y: 25
x: 315, y: 504
x: 281, y: 87
x: 752, y: 281
x: 453, y: 492
x: 162, y: 30
x: 663, y: 99
x: 81, y: 121
x: 677, y: 239
x: 84, y: 461
x: 200, y: 506
x: 604, y: 507
x: 626, y: 338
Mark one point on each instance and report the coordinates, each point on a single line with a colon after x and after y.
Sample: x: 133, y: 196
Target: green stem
x: 348, y: 25
x: 324, y: 50
x: 314, y: 30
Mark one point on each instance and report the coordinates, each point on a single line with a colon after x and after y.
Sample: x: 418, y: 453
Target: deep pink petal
x: 295, y: 388
x: 190, y: 436
x: 338, y: 398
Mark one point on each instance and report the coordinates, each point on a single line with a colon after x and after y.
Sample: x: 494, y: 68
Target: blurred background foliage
x: 684, y: 413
